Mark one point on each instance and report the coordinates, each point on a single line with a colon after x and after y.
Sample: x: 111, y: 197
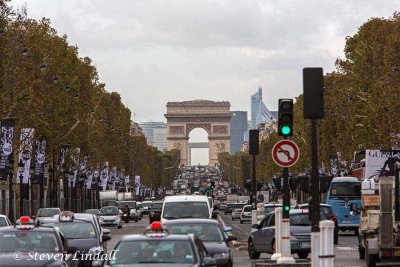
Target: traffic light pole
x: 314, y: 208
x: 254, y: 185
x: 286, y: 257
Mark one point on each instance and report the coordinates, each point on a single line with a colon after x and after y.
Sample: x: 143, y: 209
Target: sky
x: 155, y: 51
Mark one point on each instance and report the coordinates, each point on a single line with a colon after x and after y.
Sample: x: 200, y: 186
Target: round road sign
x: 285, y: 153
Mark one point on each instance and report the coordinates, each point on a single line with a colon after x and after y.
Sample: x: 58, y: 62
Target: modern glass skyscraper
x: 238, y: 128
x: 148, y: 130
x: 259, y: 111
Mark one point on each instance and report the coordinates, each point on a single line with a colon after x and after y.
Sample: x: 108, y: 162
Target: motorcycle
x: 125, y: 217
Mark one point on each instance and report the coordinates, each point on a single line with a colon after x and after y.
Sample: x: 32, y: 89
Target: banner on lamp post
x: 89, y: 179
x: 75, y: 163
x: 7, y: 137
x: 63, y: 155
x: 137, y: 185
x: 25, y: 153
x: 127, y: 183
x: 40, y: 158
x: 104, y: 176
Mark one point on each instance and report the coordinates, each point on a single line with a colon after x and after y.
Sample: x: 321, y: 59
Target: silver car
x: 110, y: 216
x: 262, y: 237
x: 237, y: 210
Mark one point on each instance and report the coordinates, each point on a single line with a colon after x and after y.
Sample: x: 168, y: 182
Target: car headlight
x: 221, y: 256
x: 95, y: 250
x: 101, y: 219
x: 152, y: 213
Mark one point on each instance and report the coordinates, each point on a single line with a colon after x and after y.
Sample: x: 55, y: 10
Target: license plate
x: 305, y: 244
x: 345, y: 221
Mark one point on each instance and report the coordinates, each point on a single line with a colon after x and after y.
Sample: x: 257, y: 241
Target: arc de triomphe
x: 214, y: 117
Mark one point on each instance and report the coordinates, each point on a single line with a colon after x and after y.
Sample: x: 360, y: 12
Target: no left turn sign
x: 285, y: 153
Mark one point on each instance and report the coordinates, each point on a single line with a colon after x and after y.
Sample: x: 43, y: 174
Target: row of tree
x: 46, y: 85
x: 362, y: 105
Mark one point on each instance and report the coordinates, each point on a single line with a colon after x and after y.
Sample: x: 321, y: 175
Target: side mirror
x: 255, y: 226
x: 227, y: 229
x: 106, y: 238
x: 72, y: 250
x: 214, y: 214
x: 106, y: 231
x: 231, y: 238
x: 208, y: 261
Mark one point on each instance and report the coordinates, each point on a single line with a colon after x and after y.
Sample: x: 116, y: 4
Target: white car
x: 245, y: 215
x: 4, y: 221
x: 237, y: 210
x: 185, y: 206
x: 110, y: 216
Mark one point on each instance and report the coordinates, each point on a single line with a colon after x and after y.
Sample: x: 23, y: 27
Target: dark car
x: 262, y: 237
x: 147, y: 206
x: 28, y: 245
x: 81, y: 232
x: 326, y: 214
x: 210, y: 233
x: 155, y: 211
x: 156, y: 247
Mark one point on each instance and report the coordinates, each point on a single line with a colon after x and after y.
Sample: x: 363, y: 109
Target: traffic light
x: 212, y: 185
x: 286, y: 208
x: 285, y: 117
x: 247, y: 184
x: 259, y: 186
x: 313, y: 94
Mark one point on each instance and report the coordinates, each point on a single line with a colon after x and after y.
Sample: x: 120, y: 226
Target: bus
x: 344, y: 196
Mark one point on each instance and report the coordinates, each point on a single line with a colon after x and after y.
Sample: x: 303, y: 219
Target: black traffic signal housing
x: 254, y: 142
x: 247, y: 184
x: 212, y: 185
x: 278, y: 182
x: 313, y: 94
x: 285, y: 117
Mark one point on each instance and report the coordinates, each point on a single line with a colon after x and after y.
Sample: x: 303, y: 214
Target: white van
x: 185, y: 206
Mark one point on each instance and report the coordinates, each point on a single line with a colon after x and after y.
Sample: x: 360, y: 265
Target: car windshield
x: 189, y: 209
x: 156, y: 206
x: 153, y: 251
x: 109, y: 211
x: 346, y: 189
x: 205, y: 232
x: 299, y: 219
x: 247, y: 208
x: 131, y: 205
x: 238, y: 206
x: 147, y: 204
x: 269, y: 209
x: 77, y: 230
x: 95, y: 211
x: 28, y: 241
x: 47, y: 212
x: 3, y: 222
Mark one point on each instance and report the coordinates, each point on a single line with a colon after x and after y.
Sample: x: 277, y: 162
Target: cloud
x: 155, y: 51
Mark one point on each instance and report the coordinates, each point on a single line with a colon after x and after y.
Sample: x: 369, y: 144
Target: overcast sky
x: 152, y: 52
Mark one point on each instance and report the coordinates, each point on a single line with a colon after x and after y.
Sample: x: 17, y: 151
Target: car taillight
x: 334, y: 218
x: 241, y: 213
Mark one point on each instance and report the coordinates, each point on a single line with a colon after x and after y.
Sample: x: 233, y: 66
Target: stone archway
x: 183, y: 117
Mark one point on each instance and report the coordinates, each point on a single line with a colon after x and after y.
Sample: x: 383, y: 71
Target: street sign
x: 285, y: 153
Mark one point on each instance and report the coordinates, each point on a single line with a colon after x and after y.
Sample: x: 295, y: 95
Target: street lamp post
x: 50, y: 184
x: 21, y: 166
x: 71, y: 181
x: 10, y: 191
x: 31, y: 173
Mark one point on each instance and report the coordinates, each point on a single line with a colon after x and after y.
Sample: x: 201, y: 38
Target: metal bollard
x: 315, y: 249
x: 254, y: 217
x: 278, y: 221
x: 286, y: 253
x: 326, y: 257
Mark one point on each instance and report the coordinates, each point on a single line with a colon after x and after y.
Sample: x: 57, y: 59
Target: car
x: 326, y: 212
x: 146, y: 207
x: 46, y: 213
x: 155, y: 211
x: 185, y: 206
x: 4, y: 221
x: 157, y: 247
x: 228, y: 208
x: 132, y: 206
x: 262, y: 237
x: 210, y: 233
x: 81, y: 232
x: 237, y: 210
x: 245, y: 215
x: 27, y: 244
x: 110, y: 216
x: 95, y: 212
x: 265, y: 209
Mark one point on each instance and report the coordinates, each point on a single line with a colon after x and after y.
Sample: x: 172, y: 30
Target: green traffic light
x: 287, y: 208
x: 286, y: 130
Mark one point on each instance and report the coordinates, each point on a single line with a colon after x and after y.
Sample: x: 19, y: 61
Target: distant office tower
x: 259, y: 111
x: 148, y: 129
x: 160, y: 139
x: 238, y: 128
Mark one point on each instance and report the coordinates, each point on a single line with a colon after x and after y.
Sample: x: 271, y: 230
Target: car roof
x: 321, y: 205
x: 185, y: 198
x: 144, y: 237
x: 273, y: 205
x: 34, y: 229
x: 191, y: 221
x: 345, y: 179
x: 3, y: 216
